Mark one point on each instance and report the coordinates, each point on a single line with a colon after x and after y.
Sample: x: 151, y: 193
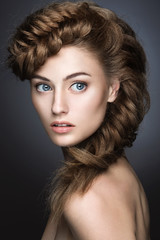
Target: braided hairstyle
x: 114, y: 43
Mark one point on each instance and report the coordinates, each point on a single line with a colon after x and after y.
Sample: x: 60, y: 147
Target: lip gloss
x: 61, y: 127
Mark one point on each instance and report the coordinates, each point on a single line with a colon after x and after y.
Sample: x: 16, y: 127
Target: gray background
x: 27, y: 155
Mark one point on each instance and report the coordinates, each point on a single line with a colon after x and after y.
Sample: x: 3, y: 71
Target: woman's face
x: 70, y: 93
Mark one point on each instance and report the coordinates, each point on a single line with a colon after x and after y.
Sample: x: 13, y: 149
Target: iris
x: 43, y: 88
x: 78, y: 86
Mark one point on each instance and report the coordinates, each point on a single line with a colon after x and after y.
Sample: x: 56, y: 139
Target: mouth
x: 62, y: 127
x: 62, y: 124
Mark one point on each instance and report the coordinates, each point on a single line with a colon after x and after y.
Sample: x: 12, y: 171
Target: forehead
x: 70, y: 60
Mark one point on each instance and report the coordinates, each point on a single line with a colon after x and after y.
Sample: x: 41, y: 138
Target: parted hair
x: 115, y: 45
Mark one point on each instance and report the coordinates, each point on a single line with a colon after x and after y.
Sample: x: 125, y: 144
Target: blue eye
x: 78, y: 86
x: 43, y: 87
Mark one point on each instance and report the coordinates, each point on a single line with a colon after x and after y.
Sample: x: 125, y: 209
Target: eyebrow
x: 76, y: 75
x: 66, y: 78
x: 40, y: 77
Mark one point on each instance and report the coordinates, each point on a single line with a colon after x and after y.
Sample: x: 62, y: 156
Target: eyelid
x: 79, y: 82
x: 42, y: 83
x: 35, y: 81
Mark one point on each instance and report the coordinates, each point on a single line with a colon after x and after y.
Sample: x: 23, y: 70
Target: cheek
x: 91, y: 107
x: 36, y: 103
x: 97, y: 102
x: 40, y: 106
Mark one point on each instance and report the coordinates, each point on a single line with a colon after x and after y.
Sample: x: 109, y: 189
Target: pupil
x: 45, y: 87
x: 80, y: 86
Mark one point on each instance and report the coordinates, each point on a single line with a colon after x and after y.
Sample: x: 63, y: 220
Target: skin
x: 56, y: 96
x: 73, y: 87
x: 115, y: 207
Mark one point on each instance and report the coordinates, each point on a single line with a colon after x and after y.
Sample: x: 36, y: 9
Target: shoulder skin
x: 107, y: 210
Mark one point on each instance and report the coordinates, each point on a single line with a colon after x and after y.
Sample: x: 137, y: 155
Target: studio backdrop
x: 28, y: 158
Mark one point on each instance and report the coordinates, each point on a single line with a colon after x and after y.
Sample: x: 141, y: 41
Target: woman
x: 88, y: 84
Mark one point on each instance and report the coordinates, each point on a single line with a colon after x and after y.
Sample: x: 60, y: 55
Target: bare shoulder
x: 108, y: 208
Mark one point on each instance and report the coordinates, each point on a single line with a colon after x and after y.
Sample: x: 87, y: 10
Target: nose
x: 59, y: 105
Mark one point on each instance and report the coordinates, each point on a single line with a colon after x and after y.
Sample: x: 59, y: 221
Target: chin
x: 68, y: 140
x: 65, y: 142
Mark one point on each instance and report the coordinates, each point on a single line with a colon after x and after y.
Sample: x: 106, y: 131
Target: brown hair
x: 99, y: 30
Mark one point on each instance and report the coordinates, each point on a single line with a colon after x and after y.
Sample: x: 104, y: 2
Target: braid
x: 114, y: 43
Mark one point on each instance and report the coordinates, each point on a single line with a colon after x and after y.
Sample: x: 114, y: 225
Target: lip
x: 61, y: 129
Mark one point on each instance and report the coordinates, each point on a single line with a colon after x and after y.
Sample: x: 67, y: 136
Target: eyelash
x: 38, y: 85
x: 81, y: 83
x: 42, y: 84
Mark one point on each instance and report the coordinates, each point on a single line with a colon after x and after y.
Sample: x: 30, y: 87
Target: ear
x: 113, y: 90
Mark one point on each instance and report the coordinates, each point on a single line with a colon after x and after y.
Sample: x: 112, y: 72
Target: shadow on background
x: 28, y: 157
